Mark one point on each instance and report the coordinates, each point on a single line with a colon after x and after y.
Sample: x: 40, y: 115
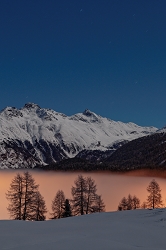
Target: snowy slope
x: 126, y: 230
x: 33, y: 135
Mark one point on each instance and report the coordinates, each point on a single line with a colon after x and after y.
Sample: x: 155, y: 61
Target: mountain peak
x: 31, y: 105
x: 87, y: 112
x: 91, y: 116
x: 10, y: 112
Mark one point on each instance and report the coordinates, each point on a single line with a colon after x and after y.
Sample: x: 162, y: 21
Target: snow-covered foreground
x: 126, y: 230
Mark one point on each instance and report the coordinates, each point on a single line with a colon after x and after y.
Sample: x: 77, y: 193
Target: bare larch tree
x: 39, y: 208
x: 85, y: 199
x: 154, y: 199
x: 57, y: 205
x: 15, y: 197
x: 23, y: 195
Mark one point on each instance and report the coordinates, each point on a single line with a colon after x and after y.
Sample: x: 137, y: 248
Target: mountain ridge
x: 32, y: 135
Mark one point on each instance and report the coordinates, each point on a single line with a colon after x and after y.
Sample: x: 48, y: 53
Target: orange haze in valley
x: 112, y: 186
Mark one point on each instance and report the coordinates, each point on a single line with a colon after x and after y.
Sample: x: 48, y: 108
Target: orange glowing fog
x: 112, y: 187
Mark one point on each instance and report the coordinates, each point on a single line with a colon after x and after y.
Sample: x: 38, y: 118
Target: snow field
x: 125, y: 230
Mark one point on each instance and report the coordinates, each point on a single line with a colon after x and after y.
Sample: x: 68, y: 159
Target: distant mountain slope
x: 33, y: 136
x: 72, y: 164
x: 145, y: 152
x: 98, y: 155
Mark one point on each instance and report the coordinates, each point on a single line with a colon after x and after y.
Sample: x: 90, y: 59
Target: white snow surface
x: 162, y: 130
x: 81, y: 131
x: 32, y: 122
x: 125, y: 230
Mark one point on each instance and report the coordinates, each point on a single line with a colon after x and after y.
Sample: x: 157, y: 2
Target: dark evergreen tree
x: 154, y: 199
x: 15, y: 197
x: 39, y: 208
x: 58, y: 205
x: 67, y: 209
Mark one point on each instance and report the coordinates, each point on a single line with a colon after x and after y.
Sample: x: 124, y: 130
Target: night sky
x: 68, y: 55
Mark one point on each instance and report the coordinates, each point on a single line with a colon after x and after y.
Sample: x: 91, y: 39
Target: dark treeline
x: 26, y: 202
x: 75, y: 164
x: 154, y: 199
x: 112, y: 164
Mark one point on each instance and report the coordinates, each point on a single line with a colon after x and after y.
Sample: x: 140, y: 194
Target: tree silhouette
x: 135, y: 202
x: 79, y: 196
x: 99, y: 205
x: 123, y: 204
x: 58, y: 205
x: 154, y: 199
x: 85, y: 199
x: 29, y: 197
x: 15, y: 197
x: 22, y: 197
x: 67, y: 209
x: 144, y: 205
x: 90, y: 195
x: 129, y: 203
x: 39, y: 208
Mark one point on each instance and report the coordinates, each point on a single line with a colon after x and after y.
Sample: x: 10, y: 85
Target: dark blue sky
x: 105, y: 55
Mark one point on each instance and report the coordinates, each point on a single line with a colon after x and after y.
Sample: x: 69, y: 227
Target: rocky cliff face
x: 33, y: 136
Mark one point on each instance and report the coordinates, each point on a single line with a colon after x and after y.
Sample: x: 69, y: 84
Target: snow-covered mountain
x: 33, y: 136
